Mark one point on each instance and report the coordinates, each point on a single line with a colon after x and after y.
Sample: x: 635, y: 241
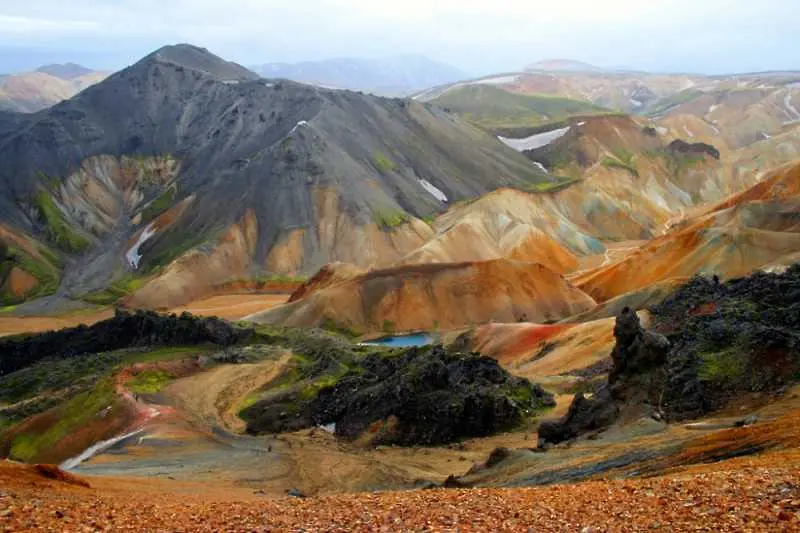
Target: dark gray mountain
x: 186, y: 134
x: 391, y: 76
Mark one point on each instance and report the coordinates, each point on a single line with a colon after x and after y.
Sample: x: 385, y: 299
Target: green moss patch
x: 150, y: 381
x: 389, y: 219
x: 57, y: 229
x: 382, y: 162
x: 126, y: 286
x: 159, y: 205
x: 717, y: 367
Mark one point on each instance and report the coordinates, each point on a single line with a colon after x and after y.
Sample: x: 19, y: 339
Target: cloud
x: 713, y: 35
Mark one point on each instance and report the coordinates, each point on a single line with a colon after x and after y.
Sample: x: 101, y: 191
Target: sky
x: 479, y: 37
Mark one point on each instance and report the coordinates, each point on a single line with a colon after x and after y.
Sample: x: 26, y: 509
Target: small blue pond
x: 402, y: 341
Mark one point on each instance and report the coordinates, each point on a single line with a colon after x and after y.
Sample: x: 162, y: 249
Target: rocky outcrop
x: 124, y: 330
x: 679, y: 146
x: 637, y: 358
x: 730, y: 341
x: 424, y: 396
x: 718, y: 342
x: 637, y: 351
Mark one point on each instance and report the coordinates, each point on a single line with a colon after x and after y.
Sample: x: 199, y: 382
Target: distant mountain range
x: 393, y: 76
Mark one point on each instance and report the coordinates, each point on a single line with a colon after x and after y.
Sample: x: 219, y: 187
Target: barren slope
x: 446, y: 295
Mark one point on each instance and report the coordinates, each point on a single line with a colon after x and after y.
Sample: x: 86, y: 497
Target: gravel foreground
x: 754, y: 498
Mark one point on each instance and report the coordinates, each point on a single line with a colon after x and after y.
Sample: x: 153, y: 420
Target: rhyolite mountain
x: 196, y: 170
x: 394, y: 75
x: 28, y: 92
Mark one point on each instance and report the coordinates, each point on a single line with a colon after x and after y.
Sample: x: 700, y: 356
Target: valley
x: 587, y: 278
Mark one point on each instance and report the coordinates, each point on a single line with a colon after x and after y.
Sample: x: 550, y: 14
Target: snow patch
x: 662, y: 130
x: 791, y: 110
x: 713, y: 107
x: 503, y: 221
x: 540, y: 166
x: 269, y: 84
x: 688, y: 132
x: 230, y: 82
x: 96, y: 448
x: 330, y: 428
x: 636, y: 103
x: 497, y: 80
x: 133, y: 256
x: 436, y: 193
x: 298, y: 125
x: 534, y: 141
x: 581, y: 123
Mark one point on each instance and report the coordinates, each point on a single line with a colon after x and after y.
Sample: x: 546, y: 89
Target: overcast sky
x: 484, y: 36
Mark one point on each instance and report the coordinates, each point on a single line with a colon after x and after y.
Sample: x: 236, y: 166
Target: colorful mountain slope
x: 753, y: 228
x: 432, y: 296
x: 310, y: 175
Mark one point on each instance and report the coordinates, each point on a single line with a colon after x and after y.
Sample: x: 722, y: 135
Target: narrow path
x: 213, y: 397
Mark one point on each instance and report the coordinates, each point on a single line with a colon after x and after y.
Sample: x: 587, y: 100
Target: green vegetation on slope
x: 150, y: 381
x: 665, y: 104
x: 57, y: 229
x: 70, y: 416
x: 622, y: 159
x: 492, y: 108
x: 388, y: 219
x: 159, y: 205
x: 46, y: 273
x: 382, y: 162
x: 121, y: 288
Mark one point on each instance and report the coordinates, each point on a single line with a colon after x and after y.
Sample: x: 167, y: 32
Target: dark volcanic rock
x: 584, y: 415
x: 723, y: 341
x: 124, y: 330
x: 729, y: 339
x: 637, y: 351
x: 679, y: 146
x: 422, y: 396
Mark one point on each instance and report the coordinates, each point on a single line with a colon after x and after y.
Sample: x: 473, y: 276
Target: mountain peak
x: 200, y: 59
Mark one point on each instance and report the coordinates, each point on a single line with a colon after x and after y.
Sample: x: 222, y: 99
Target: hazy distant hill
x: 65, y: 71
x: 28, y: 92
x: 394, y: 75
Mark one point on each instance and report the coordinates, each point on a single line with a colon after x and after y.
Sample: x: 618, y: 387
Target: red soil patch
x: 509, y: 342
x: 20, y: 283
x: 708, y: 308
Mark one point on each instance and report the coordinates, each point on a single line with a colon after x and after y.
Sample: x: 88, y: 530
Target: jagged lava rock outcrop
x: 424, y: 396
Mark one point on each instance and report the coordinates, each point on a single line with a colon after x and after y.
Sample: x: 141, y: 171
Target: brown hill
x: 443, y: 295
x: 32, y: 91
